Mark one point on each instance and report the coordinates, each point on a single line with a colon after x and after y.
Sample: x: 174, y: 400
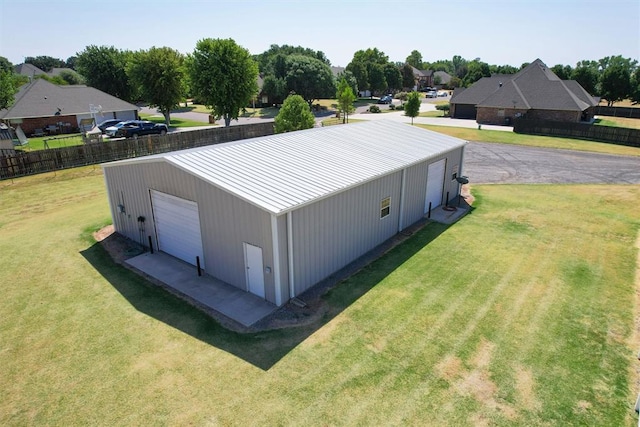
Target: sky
x: 496, y: 31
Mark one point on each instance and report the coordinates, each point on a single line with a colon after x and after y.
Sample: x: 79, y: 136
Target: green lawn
x: 59, y: 141
x: 485, y: 135
x: 520, y: 314
x: 176, y: 122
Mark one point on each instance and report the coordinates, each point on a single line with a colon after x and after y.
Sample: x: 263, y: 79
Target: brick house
x: 535, y: 92
x: 41, y: 106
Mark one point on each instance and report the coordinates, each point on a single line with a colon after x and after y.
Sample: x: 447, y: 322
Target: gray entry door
x: 254, y: 269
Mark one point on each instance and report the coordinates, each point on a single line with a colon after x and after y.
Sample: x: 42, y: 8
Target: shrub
x: 392, y: 107
x: 374, y: 109
x: 400, y: 107
x: 444, y: 107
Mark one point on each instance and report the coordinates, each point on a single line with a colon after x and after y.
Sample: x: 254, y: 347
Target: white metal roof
x: 282, y: 172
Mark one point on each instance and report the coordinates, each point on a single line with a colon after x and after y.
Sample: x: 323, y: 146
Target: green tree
x: 345, y: 97
x: 309, y: 78
x: 586, y: 74
x: 634, y: 94
x: 5, y: 64
x: 415, y: 59
x: 562, y: 71
x: 359, y: 71
x: 275, y: 88
x: 267, y: 60
x: 377, y: 82
x: 616, y: 81
x: 392, y: 76
x: 159, y: 77
x: 104, y: 68
x: 476, y: 70
x: 71, y: 77
x: 45, y: 63
x: 8, y: 88
x: 295, y: 114
x: 224, y: 76
x: 412, y: 107
x: 351, y: 80
x: 459, y: 65
x: 408, y: 79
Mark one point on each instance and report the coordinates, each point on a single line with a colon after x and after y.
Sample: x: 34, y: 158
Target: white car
x: 432, y: 94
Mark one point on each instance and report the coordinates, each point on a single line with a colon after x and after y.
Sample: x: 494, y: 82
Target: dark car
x: 136, y: 128
x: 387, y: 99
x: 108, y: 123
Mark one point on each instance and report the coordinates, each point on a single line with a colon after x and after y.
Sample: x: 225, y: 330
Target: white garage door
x: 435, y: 184
x: 177, y: 227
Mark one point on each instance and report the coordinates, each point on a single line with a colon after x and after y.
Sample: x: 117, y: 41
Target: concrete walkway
x: 206, y: 291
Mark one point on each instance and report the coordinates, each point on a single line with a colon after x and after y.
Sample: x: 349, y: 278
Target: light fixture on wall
x: 121, y: 209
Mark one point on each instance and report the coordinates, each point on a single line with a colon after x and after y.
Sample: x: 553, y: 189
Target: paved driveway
x: 486, y: 163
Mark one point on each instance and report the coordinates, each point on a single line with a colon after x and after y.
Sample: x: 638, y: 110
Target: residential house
x: 41, y: 106
x: 535, y: 92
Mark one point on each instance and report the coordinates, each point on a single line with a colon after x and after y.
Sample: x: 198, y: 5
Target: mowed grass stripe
x: 519, y: 314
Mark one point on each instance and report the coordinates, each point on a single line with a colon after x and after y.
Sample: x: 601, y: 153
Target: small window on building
x: 385, y: 207
x: 500, y: 113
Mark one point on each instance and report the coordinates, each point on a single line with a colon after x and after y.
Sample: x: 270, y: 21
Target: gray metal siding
x: 331, y: 233
x: 227, y: 223
x: 414, y: 193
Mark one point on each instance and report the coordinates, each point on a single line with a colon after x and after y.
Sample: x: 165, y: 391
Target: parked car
x: 135, y: 128
x: 387, y: 99
x: 108, y: 123
x: 432, y: 94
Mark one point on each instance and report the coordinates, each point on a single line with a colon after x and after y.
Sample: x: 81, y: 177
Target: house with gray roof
x: 41, y: 105
x: 277, y: 214
x: 535, y: 92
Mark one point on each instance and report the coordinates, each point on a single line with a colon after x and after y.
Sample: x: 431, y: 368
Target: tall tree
x: 359, y: 71
x: 415, y: 59
x: 459, y: 65
x: 295, y: 114
x: 224, y: 75
x: 412, y: 106
x: 8, y: 88
x: 476, y: 70
x: 159, y: 76
x: 5, y: 64
x: 275, y: 88
x: 408, y: 79
x: 104, y: 67
x: 392, y: 76
x: 367, y: 66
x: 616, y: 81
x: 377, y: 82
x: 562, y: 71
x: 586, y: 73
x: 345, y: 97
x: 45, y: 63
x: 266, y: 60
x: 309, y: 78
x: 634, y: 95
x: 351, y: 80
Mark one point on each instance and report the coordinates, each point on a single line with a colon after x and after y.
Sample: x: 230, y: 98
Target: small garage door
x: 177, y: 227
x: 435, y: 184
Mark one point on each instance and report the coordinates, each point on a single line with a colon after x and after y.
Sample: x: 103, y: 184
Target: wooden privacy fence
x: 630, y: 112
x: 613, y: 135
x: 33, y: 162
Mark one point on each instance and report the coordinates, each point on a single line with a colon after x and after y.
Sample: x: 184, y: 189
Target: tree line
x: 223, y: 75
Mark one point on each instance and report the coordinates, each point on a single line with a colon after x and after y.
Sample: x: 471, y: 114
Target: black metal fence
x: 32, y: 162
x: 629, y: 112
x: 613, y: 135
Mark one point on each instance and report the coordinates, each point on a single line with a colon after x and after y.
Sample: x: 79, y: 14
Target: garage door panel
x: 177, y: 223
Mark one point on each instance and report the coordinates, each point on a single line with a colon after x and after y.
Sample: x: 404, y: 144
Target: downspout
x: 402, y: 195
x: 292, y: 287
x: 276, y: 259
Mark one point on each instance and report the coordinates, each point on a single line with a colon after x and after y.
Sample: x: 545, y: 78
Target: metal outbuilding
x: 275, y: 215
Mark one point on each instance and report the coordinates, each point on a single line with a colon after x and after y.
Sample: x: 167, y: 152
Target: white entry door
x: 177, y: 224
x: 435, y: 184
x: 254, y: 267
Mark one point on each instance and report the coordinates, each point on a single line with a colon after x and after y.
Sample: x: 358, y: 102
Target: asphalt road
x: 511, y: 164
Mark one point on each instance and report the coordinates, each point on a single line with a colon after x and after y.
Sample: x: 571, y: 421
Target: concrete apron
x: 236, y: 304
x: 223, y: 298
